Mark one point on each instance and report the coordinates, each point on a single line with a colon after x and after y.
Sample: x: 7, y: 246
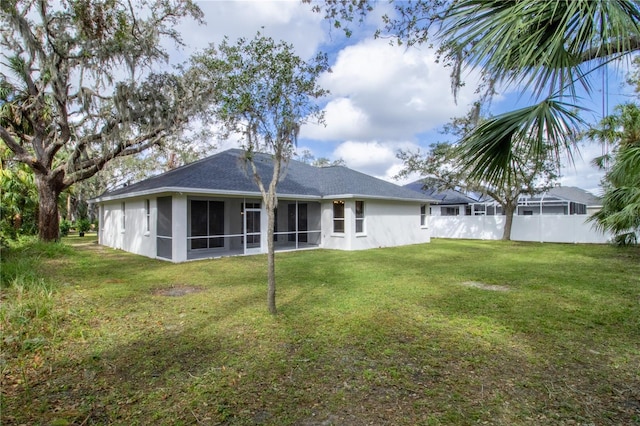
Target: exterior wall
x: 540, y: 228
x: 179, y: 228
x: 386, y: 224
x: 133, y: 237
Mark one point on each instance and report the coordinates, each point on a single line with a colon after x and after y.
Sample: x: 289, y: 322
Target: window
x: 123, y: 215
x: 527, y: 212
x: 423, y: 214
x: 450, y: 211
x: 207, y: 221
x: 359, y: 217
x: 147, y: 212
x: 338, y: 217
x: 479, y: 209
x: 577, y: 208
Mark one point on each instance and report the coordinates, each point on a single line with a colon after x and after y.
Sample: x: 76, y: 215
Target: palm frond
x: 621, y: 211
x: 627, y: 168
x: 549, y: 126
x: 543, y: 43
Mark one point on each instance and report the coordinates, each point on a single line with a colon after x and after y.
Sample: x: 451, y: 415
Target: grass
x: 391, y: 336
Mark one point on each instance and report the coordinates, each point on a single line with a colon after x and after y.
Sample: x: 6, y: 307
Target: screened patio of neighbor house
x: 220, y: 227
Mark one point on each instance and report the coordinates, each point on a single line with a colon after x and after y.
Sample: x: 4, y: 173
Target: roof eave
x: 379, y: 197
x: 196, y: 191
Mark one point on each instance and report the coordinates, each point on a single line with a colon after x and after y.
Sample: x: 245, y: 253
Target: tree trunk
x: 271, y: 259
x: 49, y: 190
x: 69, y: 218
x: 509, y: 211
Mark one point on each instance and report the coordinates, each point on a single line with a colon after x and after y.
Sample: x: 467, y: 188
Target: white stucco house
x: 212, y: 208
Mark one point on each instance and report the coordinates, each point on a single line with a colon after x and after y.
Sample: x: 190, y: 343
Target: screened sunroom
x: 235, y: 226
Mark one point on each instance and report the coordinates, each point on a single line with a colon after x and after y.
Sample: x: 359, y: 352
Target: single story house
x: 212, y: 208
x: 562, y: 200
x: 451, y: 202
x: 559, y: 200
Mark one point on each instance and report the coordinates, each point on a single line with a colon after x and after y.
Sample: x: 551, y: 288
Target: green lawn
x: 447, y: 333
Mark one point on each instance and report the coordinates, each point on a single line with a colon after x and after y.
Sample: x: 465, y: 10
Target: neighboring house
x: 558, y: 215
x: 213, y: 208
x: 450, y: 201
x: 559, y: 200
x: 577, y: 196
x: 566, y: 200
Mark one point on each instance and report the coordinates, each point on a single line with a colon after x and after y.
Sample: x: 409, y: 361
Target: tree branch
x: 20, y: 153
x: 90, y: 167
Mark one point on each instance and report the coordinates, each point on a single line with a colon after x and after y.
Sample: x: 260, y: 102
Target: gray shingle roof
x: 225, y: 172
x: 448, y: 196
x: 568, y: 193
x: 579, y: 195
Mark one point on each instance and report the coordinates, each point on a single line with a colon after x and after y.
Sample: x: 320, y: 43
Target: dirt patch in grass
x: 483, y: 286
x: 176, y: 290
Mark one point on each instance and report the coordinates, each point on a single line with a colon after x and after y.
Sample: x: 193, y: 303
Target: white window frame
x: 147, y: 213
x: 360, y: 219
x: 449, y: 209
x: 338, y: 219
x: 423, y: 215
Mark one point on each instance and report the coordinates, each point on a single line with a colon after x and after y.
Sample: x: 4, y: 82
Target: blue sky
x: 383, y: 98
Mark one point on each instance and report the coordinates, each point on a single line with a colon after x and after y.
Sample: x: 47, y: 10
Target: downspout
x: 540, y: 219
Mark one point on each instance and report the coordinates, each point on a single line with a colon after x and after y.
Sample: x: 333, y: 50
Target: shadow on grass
x: 382, y: 337
x: 204, y: 376
x: 380, y: 369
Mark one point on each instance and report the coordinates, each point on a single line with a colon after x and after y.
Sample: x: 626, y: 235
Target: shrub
x: 626, y: 239
x: 83, y: 225
x: 65, y: 226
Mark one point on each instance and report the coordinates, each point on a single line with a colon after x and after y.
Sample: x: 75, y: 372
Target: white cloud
x: 382, y: 97
x: 582, y: 173
x: 373, y: 158
x: 346, y: 120
x: 393, y: 92
x: 290, y: 21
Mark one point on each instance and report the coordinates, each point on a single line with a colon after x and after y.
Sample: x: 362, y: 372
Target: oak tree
x: 77, y: 91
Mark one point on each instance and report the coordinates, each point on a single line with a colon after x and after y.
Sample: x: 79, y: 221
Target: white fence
x: 540, y: 228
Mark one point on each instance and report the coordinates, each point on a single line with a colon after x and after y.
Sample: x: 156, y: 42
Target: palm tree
x: 620, y: 211
x: 549, y: 46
